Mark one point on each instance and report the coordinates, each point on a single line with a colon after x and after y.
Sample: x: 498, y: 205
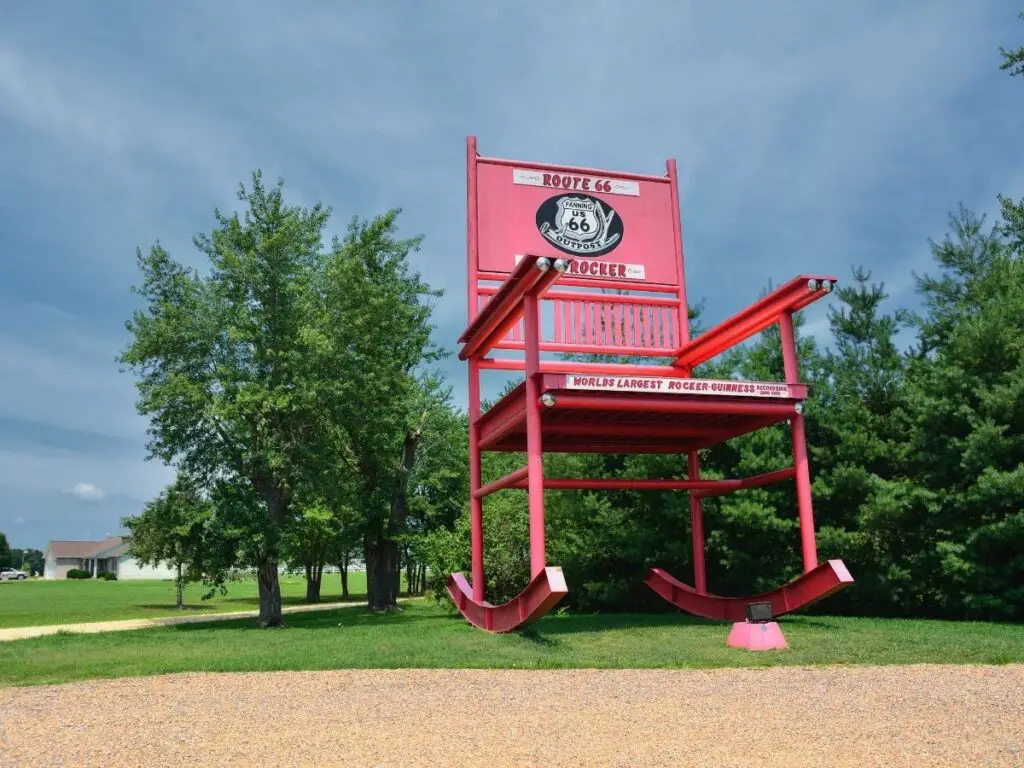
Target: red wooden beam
x: 505, y: 438
x: 797, y: 391
x: 629, y: 447
x: 626, y: 484
x: 756, y: 481
x: 573, y: 169
x: 510, y: 480
x: 706, y: 487
x: 590, y: 349
x: 752, y: 391
x: 494, y: 431
x: 671, y: 431
x: 631, y: 484
x: 634, y: 403
x: 577, y: 282
x: 606, y: 369
x: 600, y: 298
x: 792, y: 296
x: 505, y: 308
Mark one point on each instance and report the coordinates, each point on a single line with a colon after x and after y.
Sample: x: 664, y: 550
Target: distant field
x: 424, y: 635
x: 36, y: 603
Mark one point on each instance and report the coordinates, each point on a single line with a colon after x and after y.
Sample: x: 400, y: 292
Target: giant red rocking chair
x: 546, y: 244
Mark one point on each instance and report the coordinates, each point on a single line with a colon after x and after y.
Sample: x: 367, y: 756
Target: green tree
x: 347, y: 542
x: 309, y: 545
x: 1013, y: 212
x: 966, y: 402
x: 1013, y: 60
x: 33, y: 561
x: 439, y: 487
x: 223, y: 362
x: 865, y: 502
x: 29, y: 560
x: 5, y: 551
x: 175, y: 529
x: 372, y: 348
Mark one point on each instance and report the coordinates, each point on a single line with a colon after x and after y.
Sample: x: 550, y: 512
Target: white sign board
x: 678, y: 386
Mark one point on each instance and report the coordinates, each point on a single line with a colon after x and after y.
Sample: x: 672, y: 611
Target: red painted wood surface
x: 626, y: 299
x: 506, y: 219
x: 705, y: 487
x: 807, y: 589
x: 505, y: 309
x: 794, y: 295
x: 542, y: 594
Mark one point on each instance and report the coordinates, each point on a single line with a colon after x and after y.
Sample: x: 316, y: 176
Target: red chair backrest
x: 624, y: 292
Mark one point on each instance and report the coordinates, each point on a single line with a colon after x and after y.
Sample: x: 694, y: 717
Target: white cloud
x: 88, y: 492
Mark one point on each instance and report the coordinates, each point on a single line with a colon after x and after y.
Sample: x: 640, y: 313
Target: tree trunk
x: 410, y: 583
x: 344, y: 577
x: 423, y: 579
x: 312, y: 583
x: 380, y: 550
x: 179, y: 588
x: 313, y: 590
x: 383, y: 575
x: 270, y: 593
x: 277, y: 501
x: 314, y: 577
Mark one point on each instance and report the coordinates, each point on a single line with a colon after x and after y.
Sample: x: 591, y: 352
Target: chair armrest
x: 794, y: 295
x: 505, y: 309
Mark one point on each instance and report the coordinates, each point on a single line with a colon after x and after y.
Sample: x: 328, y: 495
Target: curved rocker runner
x: 540, y: 596
x: 806, y: 589
x: 546, y: 244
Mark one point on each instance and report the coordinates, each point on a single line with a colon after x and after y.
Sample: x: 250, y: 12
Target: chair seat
x: 587, y: 413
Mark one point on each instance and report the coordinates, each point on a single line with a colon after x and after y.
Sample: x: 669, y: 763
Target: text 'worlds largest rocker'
x: 578, y: 260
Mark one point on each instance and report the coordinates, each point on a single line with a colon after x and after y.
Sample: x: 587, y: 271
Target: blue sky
x: 810, y: 137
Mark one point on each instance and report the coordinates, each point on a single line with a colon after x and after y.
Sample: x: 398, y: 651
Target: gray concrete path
x: 23, y: 633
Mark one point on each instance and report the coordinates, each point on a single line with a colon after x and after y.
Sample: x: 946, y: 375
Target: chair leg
x: 803, y: 472
x: 535, y: 483
x: 700, y: 579
x: 534, y: 454
x: 803, y: 493
x: 476, y: 522
x: 476, y: 506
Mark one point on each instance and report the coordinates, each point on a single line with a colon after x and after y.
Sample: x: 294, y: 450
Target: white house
x: 110, y: 554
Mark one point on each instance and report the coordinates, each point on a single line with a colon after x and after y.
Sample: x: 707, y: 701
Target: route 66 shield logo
x: 580, y: 225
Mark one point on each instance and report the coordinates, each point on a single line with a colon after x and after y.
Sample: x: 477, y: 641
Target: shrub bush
x: 77, y: 573
x: 108, y: 576
x: 506, y: 551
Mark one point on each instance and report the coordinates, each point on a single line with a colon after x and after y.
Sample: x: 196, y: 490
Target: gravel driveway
x: 854, y: 716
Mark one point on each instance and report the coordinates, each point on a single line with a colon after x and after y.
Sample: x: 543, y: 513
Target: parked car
x: 10, y: 574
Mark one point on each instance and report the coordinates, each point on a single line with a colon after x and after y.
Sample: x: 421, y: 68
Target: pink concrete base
x: 762, y: 636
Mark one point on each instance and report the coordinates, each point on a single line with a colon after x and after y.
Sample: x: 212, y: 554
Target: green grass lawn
x: 37, y: 602
x: 424, y: 635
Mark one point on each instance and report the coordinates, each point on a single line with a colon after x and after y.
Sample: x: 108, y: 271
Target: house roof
x: 83, y: 548
x: 115, y: 546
